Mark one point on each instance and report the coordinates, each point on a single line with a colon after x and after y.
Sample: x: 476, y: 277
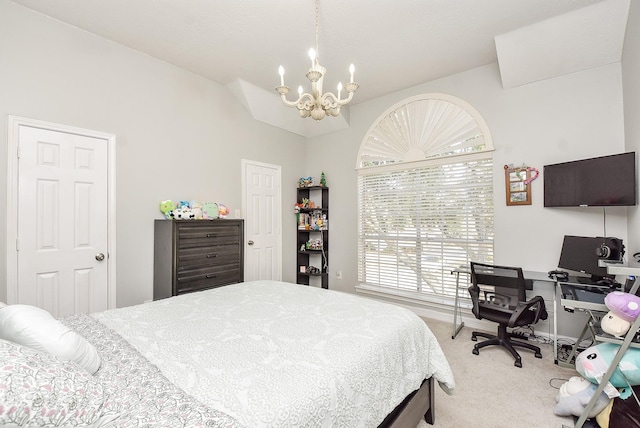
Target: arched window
x: 425, y: 205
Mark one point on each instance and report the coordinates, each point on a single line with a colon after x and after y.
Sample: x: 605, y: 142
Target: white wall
x: 631, y: 84
x: 566, y: 118
x: 179, y: 136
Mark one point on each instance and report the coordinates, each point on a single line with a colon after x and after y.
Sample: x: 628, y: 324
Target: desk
x: 591, y: 306
x: 576, y: 296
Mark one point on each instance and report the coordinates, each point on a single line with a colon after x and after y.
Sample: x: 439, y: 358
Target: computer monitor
x: 580, y: 254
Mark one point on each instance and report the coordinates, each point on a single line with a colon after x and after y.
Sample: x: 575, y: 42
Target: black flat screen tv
x: 595, y: 182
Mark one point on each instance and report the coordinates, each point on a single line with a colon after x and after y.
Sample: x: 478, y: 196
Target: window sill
x: 412, y: 297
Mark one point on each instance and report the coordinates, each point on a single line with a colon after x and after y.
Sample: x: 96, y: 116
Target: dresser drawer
x: 203, y: 278
x: 204, y: 236
x: 206, y: 256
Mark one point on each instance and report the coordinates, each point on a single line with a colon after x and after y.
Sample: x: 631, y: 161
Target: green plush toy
x: 210, y: 210
x: 167, y: 208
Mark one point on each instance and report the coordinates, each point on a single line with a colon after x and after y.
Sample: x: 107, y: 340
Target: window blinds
x: 417, y: 224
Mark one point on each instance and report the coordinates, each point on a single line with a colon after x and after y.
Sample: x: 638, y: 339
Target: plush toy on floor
x: 594, y: 362
x: 574, y: 395
x: 620, y: 413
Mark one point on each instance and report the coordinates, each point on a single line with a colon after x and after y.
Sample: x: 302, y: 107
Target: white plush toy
x: 196, y: 210
x: 614, y: 325
x: 183, y: 213
x: 574, y: 395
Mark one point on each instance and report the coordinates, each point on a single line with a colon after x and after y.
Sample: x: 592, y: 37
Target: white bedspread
x: 274, y: 354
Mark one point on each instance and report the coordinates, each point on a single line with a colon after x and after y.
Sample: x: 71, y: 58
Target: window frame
x: 411, y: 162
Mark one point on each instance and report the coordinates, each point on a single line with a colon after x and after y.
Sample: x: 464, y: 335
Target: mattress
x: 274, y: 354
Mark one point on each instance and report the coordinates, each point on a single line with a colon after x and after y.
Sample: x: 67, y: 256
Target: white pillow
x: 37, y: 329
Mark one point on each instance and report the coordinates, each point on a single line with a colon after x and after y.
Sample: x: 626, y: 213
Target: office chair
x: 498, y: 294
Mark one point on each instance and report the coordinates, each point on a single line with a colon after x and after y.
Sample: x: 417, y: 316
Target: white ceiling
x: 394, y: 44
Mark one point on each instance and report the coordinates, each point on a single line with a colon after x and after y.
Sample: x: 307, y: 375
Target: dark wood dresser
x: 193, y: 255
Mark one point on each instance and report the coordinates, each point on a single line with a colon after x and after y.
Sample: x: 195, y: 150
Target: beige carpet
x: 491, y: 391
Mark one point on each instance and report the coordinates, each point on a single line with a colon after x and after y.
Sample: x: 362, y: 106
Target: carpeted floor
x: 491, y: 391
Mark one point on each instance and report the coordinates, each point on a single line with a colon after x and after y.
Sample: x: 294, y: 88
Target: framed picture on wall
x: 517, y: 185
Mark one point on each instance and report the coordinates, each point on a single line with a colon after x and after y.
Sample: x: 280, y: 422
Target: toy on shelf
x: 193, y: 210
x: 314, y: 244
x: 210, y: 210
x: 167, y: 207
x: 305, y: 181
x: 183, y: 213
x: 196, y: 209
x: 323, y: 180
x: 624, y: 309
x: 223, y: 211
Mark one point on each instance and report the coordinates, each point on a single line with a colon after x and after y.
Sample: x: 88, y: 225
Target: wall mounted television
x: 595, y: 182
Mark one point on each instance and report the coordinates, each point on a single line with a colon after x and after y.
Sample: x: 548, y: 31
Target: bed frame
x: 420, y: 403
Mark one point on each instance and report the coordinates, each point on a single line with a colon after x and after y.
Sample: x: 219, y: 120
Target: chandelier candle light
x: 316, y: 104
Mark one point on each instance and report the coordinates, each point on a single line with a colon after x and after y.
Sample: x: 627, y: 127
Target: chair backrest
x: 505, y: 280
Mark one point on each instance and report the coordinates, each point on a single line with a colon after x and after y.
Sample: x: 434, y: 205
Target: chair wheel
x: 475, y: 351
x: 475, y: 339
x: 518, y: 363
x: 538, y: 355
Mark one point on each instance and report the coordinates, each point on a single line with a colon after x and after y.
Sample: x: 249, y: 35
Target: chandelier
x: 316, y: 104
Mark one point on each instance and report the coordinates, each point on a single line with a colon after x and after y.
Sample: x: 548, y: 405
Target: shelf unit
x: 625, y: 343
x: 318, y: 258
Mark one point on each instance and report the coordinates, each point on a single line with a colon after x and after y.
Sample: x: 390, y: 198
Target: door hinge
x: 17, y: 244
x: 18, y: 151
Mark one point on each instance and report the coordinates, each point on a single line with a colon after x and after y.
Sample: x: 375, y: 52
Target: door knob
x: 100, y: 257
x: 250, y: 242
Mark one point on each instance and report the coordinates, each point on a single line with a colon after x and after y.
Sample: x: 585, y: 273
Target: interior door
x: 263, y: 221
x: 62, y: 222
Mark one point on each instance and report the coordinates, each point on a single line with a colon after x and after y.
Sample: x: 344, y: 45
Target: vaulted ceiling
x: 394, y: 44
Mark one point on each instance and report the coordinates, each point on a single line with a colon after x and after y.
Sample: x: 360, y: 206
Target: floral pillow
x: 39, y: 389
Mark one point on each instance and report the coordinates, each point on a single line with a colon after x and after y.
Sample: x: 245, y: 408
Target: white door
x: 263, y: 221
x: 62, y: 222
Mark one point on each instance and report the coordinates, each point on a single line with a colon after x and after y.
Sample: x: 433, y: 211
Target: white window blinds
x: 419, y: 221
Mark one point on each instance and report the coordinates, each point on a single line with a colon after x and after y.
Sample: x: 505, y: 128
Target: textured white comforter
x: 274, y: 354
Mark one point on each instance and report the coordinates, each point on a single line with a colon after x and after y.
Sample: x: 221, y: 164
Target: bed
x: 254, y: 354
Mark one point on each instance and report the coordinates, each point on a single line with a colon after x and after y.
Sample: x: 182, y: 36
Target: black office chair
x: 498, y: 294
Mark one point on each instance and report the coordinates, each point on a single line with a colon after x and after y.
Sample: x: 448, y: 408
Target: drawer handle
x: 210, y: 276
x: 211, y: 235
x: 212, y: 256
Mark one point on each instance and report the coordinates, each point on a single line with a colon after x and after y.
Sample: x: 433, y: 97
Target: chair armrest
x: 535, y: 304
